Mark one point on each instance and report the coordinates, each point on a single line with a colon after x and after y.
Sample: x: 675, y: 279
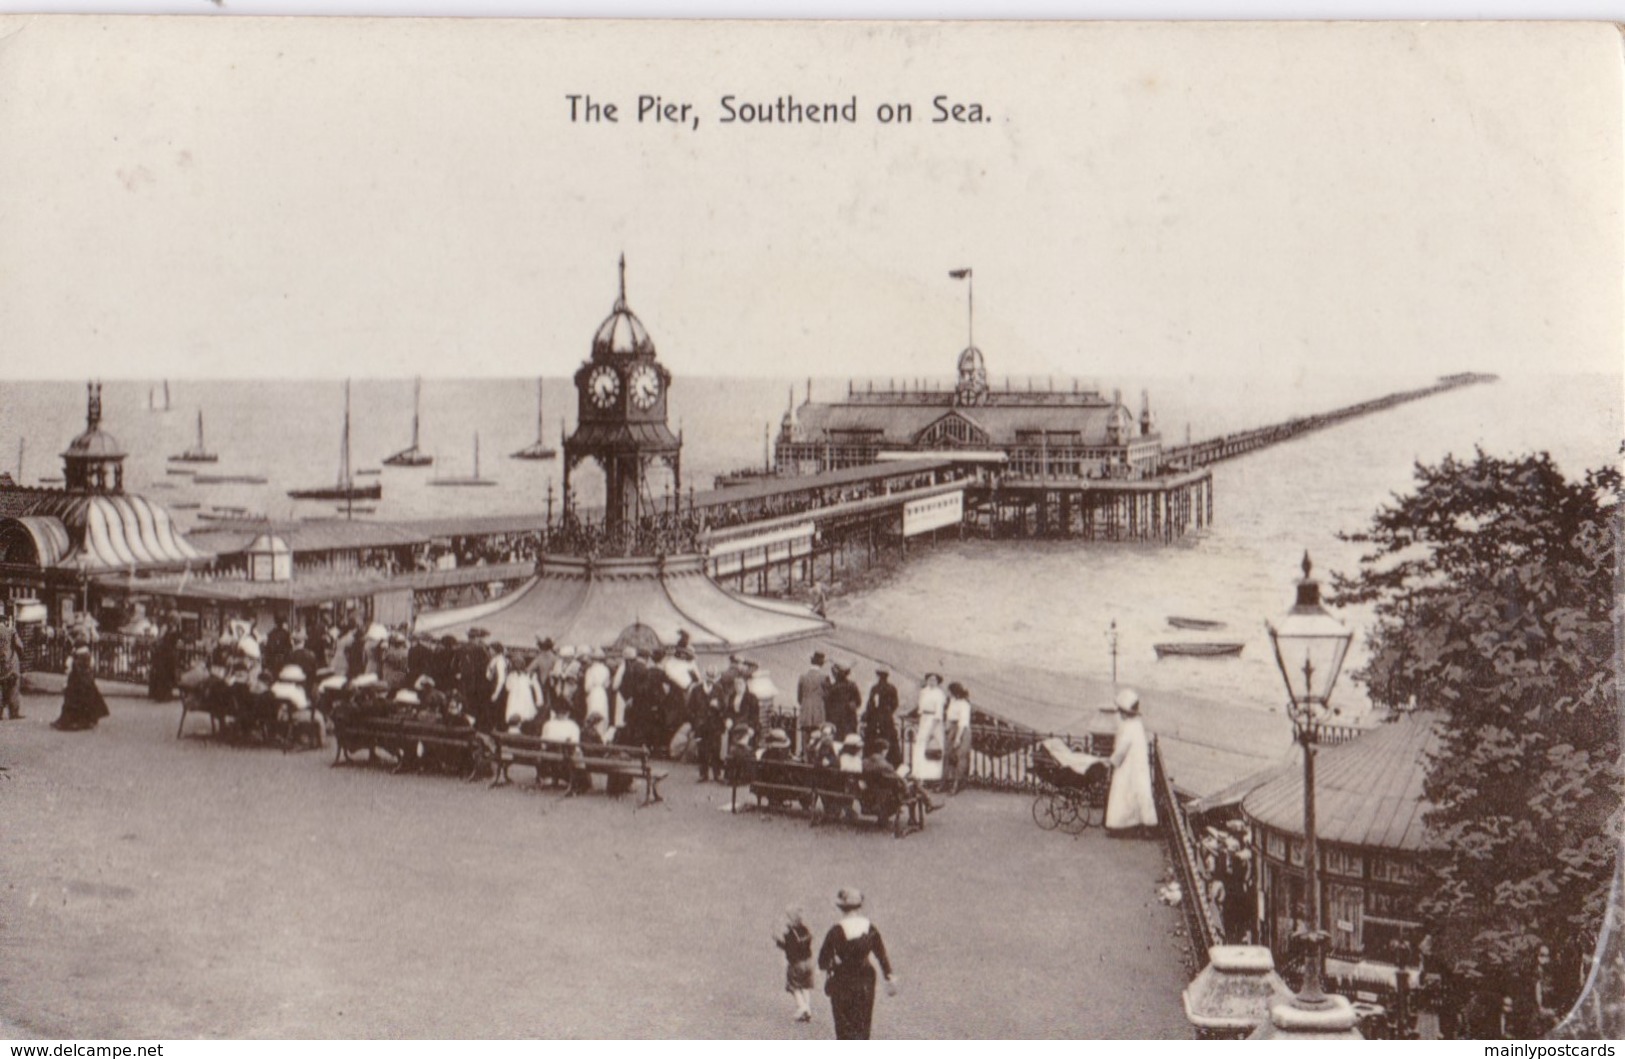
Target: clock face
x: 603, y: 386
x: 644, y: 386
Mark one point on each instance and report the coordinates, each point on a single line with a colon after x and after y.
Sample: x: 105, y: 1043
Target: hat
x: 777, y: 738
x: 377, y: 632
x: 292, y: 694
x: 853, y: 741
x: 840, y: 670
x: 818, y: 658
x: 544, y: 643
x: 81, y: 650
x: 882, y: 671
x: 1128, y: 702
x: 933, y: 676
x: 365, y: 680
x: 712, y: 672
x: 292, y: 673
x: 425, y: 681
x: 332, y: 683
x: 567, y: 651
x: 849, y: 898
x: 742, y: 733
x: 629, y: 652
x: 595, y: 718
x: 408, y: 697
x: 597, y: 654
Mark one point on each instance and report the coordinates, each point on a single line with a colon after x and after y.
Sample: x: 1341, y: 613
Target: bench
x: 236, y: 710
x: 829, y: 794
x: 412, y: 740
x: 576, y: 762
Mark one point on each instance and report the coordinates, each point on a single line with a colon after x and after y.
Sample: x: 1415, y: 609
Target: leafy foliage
x: 1493, y: 586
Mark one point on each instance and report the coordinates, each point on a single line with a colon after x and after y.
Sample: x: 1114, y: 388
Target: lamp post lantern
x: 1310, y: 645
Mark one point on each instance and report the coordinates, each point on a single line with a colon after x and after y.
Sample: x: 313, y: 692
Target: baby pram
x: 1072, y: 787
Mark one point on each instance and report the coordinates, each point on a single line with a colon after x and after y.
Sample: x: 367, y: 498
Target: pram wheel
x: 1044, y: 812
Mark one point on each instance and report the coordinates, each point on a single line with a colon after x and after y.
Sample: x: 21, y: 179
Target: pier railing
x: 1200, y: 916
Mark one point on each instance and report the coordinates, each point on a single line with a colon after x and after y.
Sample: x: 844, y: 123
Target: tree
x: 1493, y: 588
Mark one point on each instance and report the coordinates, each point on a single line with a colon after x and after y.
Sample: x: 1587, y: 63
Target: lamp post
x: 1310, y: 646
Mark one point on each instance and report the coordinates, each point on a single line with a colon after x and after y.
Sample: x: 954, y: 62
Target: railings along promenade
x: 1200, y: 915
x: 116, y: 656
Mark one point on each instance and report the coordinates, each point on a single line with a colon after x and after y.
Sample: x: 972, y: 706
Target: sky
x: 319, y: 198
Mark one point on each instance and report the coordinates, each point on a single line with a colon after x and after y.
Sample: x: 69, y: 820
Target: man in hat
x: 744, y: 708
x: 473, y: 662
x: 842, y: 701
x: 278, y: 643
x: 706, y: 714
x: 880, y: 717
x: 1130, y: 809
x: 810, y: 691
x: 395, y: 668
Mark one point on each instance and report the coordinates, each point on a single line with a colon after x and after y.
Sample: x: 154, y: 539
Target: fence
x: 1200, y: 916
x: 117, y: 656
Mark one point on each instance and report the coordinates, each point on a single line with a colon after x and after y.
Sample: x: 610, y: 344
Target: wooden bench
x: 402, y: 736
x: 828, y: 794
x: 235, y: 710
x: 575, y: 762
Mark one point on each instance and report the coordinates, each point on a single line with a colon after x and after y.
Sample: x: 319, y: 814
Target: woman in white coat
x: 929, y: 738
x: 1129, y: 806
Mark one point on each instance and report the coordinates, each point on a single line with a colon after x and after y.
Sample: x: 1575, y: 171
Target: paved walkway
x: 164, y: 888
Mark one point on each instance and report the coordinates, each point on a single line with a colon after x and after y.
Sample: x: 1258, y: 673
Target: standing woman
x: 928, y: 737
x: 82, y: 703
x: 1130, y: 809
x: 850, y: 976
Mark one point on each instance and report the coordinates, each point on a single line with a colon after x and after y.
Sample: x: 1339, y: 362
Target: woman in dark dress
x: 82, y: 703
x: 850, y: 975
x: 165, y: 660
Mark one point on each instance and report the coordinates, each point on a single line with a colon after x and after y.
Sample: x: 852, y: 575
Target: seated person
x: 888, y: 789
x: 822, y: 750
x: 849, y: 763
x: 776, y: 747
x: 560, y: 727
x: 740, y: 755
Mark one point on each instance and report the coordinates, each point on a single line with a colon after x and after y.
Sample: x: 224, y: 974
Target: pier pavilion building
x: 58, y: 546
x: 1039, y: 432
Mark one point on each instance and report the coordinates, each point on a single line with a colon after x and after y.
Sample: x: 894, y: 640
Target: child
x: 796, y: 941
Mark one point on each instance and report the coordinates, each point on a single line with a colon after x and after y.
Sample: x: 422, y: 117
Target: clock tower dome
x: 621, y: 417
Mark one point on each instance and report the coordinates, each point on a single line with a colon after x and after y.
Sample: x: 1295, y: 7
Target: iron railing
x: 117, y: 656
x: 1200, y: 916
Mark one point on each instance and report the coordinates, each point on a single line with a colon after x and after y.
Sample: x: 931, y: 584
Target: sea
x: 1058, y: 605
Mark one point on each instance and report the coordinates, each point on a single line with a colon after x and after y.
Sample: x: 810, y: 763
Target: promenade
x: 164, y: 888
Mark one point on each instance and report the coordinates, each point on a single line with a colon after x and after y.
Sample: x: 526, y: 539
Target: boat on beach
x: 346, y: 489
x: 1199, y: 650
x: 1195, y: 623
x: 539, y: 450
x: 411, y: 456
x: 198, y: 453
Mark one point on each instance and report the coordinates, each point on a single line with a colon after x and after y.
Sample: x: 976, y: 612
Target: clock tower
x: 621, y: 417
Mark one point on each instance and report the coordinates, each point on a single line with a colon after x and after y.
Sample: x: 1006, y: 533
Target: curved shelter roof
x: 1368, y: 792
x: 577, y: 602
x: 112, y: 532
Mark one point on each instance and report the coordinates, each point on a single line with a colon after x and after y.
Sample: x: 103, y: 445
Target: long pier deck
x: 1229, y: 446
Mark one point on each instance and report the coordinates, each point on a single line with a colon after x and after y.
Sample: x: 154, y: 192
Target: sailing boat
x: 538, y: 451
x: 346, y: 489
x: 198, y: 453
x: 412, y: 456
x: 475, y: 479
x: 152, y: 399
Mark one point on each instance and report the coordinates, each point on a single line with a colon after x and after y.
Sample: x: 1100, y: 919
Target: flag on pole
x: 959, y: 273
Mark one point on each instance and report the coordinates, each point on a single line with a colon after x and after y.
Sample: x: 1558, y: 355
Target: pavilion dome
x: 95, y: 444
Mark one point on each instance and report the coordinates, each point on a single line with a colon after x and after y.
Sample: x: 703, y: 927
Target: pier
x: 1229, y: 446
